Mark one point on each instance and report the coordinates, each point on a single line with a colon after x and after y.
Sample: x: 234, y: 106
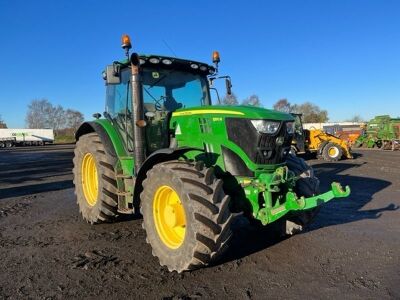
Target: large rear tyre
x: 185, y: 214
x: 94, y: 180
x: 307, y: 186
x: 332, y: 152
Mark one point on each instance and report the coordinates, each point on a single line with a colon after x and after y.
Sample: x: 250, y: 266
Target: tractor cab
x: 300, y: 136
x: 167, y: 84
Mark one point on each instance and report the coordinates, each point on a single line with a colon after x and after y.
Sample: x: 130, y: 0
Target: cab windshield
x: 169, y: 90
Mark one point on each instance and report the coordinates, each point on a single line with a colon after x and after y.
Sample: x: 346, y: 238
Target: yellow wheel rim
x: 332, y: 152
x: 90, y: 182
x: 169, y: 217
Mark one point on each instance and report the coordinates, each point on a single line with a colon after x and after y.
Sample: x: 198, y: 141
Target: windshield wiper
x: 148, y: 93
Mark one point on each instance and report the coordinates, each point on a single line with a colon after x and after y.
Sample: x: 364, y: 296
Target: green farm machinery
x: 191, y: 168
x: 381, y: 132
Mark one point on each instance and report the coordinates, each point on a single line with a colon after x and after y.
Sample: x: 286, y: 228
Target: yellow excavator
x: 325, y: 145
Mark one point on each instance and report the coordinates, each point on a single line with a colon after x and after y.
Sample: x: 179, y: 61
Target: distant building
x: 3, y: 125
x: 333, y: 127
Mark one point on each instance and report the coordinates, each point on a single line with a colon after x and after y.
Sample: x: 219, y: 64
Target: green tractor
x: 189, y: 167
x: 381, y: 132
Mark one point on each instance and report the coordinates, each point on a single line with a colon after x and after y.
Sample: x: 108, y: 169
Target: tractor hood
x: 245, y: 112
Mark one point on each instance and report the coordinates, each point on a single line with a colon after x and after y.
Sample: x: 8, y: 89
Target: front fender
x: 161, y: 155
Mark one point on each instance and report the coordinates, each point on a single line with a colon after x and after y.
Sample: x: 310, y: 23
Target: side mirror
x: 228, y: 86
x: 113, y: 74
x: 97, y: 115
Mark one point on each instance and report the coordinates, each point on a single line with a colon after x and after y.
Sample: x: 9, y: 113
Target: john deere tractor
x: 188, y: 166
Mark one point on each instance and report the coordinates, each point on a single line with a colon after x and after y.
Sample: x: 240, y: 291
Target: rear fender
x: 89, y: 127
x: 108, y: 135
x: 122, y: 163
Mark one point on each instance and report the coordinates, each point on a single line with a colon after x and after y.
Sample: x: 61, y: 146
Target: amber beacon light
x: 126, y: 42
x: 215, y: 57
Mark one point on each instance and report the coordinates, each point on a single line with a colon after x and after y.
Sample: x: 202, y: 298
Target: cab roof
x: 168, y: 62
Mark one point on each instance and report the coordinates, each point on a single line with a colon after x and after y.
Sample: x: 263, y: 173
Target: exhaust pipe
x: 138, y: 114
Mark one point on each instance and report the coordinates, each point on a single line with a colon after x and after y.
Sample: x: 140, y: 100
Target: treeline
x: 42, y: 114
x: 311, y: 113
x: 253, y: 100
x: 2, y: 124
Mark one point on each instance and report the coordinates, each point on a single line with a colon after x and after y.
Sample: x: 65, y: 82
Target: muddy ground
x: 352, y: 251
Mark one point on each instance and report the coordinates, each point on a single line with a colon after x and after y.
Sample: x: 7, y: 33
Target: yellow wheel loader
x: 325, y: 145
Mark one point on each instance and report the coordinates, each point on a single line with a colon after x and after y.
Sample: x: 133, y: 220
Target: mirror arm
x: 216, y: 91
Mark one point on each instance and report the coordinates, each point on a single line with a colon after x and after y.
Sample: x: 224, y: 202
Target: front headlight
x: 290, y: 127
x: 264, y: 126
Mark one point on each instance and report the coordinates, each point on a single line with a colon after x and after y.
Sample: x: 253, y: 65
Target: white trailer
x: 25, y: 137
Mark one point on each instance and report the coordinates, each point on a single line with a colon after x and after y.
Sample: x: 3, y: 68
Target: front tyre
x: 94, y: 180
x: 185, y: 214
x: 332, y: 152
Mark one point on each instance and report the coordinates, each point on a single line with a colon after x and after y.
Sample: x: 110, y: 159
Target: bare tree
x: 230, y: 100
x: 2, y: 124
x: 37, y: 115
x: 253, y: 100
x: 356, y: 119
x: 282, y: 105
x: 311, y: 113
x: 74, y: 119
x: 42, y: 114
x: 56, y: 117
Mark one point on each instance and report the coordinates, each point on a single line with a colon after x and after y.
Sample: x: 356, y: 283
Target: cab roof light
x: 215, y: 57
x: 154, y: 60
x: 126, y: 42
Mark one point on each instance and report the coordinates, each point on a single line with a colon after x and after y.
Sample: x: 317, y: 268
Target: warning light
x: 215, y: 57
x: 126, y: 42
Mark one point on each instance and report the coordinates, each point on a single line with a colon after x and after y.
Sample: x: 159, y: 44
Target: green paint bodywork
x: 268, y: 196
x: 213, y: 133
x: 274, y: 182
x: 126, y: 160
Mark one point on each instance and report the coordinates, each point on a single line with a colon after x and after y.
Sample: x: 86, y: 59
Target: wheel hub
x: 90, y: 183
x: 169, y: 217
x: 333, y: 152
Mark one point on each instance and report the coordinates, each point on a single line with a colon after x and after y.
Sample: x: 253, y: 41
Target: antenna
x: 170, y: 49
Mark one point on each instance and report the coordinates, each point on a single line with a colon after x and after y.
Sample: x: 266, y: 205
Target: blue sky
x: 341, y: 55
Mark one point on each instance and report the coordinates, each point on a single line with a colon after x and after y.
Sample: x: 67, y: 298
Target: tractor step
x: 125, y: 194
x: 126, y: 211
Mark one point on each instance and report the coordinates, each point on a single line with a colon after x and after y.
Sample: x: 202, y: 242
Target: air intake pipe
x: 138, y: 114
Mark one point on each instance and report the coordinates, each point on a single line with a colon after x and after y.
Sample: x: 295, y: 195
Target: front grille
x: 260, y: 148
